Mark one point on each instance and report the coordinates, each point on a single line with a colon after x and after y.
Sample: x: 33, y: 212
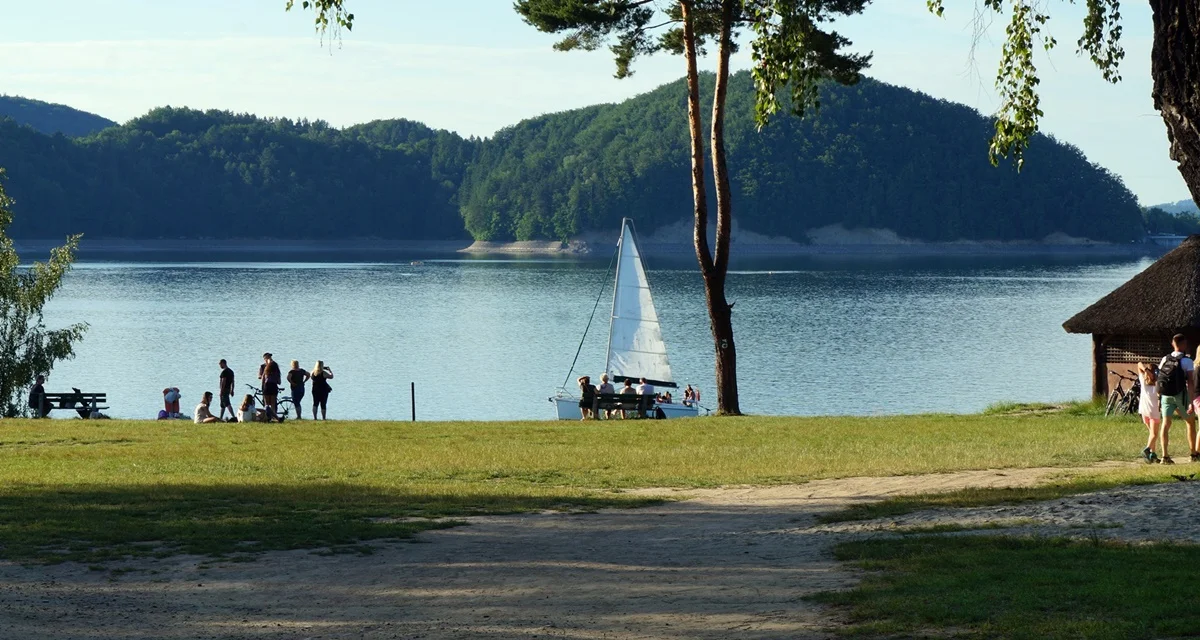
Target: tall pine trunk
x: 1175, y: 66
x: 713, y: 270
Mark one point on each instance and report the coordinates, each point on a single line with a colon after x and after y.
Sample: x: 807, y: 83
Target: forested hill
x: 875, y: 156
x: 52, y: 118
x: 181, y: 173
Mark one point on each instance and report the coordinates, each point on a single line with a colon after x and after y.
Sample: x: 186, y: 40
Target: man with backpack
x: 1176, y: 387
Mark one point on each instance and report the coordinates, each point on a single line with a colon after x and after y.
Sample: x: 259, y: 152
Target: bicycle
x: 1123, y: 400
x: 283, y: 404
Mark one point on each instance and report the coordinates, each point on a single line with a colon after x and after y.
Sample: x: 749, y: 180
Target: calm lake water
x: 492, y: 339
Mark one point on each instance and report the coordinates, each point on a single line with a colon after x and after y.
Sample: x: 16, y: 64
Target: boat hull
x: 568, y: 409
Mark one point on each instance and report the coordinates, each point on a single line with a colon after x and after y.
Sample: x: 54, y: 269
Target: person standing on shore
x: 226, y: 390
x: 268, y: 374
x: 1175, y: 387
x: 320, y: 376
x: 296, y: 378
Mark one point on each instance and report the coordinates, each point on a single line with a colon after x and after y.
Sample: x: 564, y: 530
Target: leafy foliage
x: 225, y: 175
x: 52, y: 118
x: 27, y: 347
x: 1162, y: 221
x: 1017, y: 75
x: 875, y: 156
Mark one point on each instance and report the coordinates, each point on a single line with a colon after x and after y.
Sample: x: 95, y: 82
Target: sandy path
x: 725, y: 562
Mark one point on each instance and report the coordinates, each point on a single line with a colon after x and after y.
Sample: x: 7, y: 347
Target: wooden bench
x: 623, y: 402
x: 82, y: 403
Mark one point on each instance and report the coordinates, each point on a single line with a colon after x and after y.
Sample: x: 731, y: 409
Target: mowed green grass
x: 85, y: 490
x: 1023, y: 588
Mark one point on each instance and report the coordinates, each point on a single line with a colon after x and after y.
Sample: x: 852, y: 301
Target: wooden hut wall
x: 1122, y: 353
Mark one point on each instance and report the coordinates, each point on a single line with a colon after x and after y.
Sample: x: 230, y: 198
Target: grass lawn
x: 91, y: 491
x: 998, y: 587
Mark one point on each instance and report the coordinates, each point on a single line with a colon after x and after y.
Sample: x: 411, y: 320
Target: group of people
x: 269, y: 376
x: 588, y: 394
x: 1169, y: 391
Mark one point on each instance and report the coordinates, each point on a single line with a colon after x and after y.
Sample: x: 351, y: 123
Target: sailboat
x: 635, y: 344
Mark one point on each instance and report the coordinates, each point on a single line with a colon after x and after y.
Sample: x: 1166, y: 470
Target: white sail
x: 635, y: 342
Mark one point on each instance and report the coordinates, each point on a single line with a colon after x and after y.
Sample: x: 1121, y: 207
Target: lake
x: 492, y: 339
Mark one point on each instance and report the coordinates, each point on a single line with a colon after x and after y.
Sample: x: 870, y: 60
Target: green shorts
x: 1176, y: 404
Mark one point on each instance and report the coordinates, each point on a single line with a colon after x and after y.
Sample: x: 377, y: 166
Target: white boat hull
x: 568, y: 409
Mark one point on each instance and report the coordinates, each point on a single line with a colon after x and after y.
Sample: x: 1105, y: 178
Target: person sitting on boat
x: 587, y: 398
x: 627, y: 390
x: 666, y: 398
x: 646, y: 390
x: 688, y: 397
x: 606, y: 387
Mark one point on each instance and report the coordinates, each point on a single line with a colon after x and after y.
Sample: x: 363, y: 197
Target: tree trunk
x: 1175, y: 66
x: 720, y: 312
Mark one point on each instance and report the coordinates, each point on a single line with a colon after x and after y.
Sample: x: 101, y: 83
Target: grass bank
x: 96, y: 490
x: 1001, y: 587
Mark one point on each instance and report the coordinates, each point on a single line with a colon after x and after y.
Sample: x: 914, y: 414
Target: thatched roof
x: 1163, y: 299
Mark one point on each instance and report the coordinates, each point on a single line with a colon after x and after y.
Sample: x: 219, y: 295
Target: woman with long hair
x: 296, y: 378
x: 320, y: 376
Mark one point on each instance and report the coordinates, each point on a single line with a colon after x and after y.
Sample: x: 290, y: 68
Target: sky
x: 474, y: 67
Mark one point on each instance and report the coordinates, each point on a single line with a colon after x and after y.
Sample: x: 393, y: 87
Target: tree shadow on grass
x: 100, y: 523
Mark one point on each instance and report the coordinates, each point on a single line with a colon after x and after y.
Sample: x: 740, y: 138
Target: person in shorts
x: 226, y: 390
x: 1176, y: 386
x: 268, y: 374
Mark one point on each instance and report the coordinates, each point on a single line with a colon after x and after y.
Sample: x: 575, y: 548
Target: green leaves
x: 1017, y: 75
x: 330, y: 14
x: 27, y: 347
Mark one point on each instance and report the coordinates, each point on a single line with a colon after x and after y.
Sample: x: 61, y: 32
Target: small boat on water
x: 635, y: 344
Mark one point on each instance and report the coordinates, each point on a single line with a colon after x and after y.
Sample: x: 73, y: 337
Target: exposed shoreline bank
x: 33, y: 248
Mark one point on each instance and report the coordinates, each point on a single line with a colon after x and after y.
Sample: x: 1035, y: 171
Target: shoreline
x: 778, y: 249
x: 573, y: 249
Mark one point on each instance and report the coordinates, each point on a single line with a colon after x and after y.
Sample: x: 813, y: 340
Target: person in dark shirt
x: 226, y: 390
x: 296, y: 378
x: 268, y: 374
x: 37, y: 399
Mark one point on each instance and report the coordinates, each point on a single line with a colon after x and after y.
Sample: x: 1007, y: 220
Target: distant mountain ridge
x: 50, y: 118
x: 1182, y: 206
x: 877, y: 156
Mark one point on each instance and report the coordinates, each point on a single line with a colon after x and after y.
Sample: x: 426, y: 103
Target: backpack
x: 1171, y: 381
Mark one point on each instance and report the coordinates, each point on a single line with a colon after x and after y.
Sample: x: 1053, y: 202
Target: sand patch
x: 729, y: 562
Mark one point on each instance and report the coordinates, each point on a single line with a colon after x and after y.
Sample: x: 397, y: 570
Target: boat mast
x: 616, y: 283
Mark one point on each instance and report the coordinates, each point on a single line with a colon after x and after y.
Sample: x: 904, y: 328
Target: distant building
x: 1135, y: 322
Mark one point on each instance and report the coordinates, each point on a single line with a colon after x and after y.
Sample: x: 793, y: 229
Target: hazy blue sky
x: 472, y: 66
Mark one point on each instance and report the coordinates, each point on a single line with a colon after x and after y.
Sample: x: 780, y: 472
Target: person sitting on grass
x: 202, y: 414
x: 1175, y: 388
x: 1148, y: 407
x: 247, y: 412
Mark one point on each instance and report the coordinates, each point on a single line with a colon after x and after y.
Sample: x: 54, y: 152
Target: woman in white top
x: 246, y: 411
x: 1148, y: 407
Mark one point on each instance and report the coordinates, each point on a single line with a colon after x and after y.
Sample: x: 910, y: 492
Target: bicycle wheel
x: 285, y: 408
x: 1123, y: 407
x: 1112, y: 402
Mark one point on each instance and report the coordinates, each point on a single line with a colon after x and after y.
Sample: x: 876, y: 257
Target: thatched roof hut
x: 1135, y: 322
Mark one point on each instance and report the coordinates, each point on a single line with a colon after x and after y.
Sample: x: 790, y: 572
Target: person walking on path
x: 321, y: 375
x: 1149, y: 408
x: 202, y: 414
x: 226, y: 390
x: 268, y: 374
x: 1175, y: 386
x: 296, y: 378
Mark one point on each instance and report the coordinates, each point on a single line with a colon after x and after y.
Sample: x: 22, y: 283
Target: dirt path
x: 723, y: 563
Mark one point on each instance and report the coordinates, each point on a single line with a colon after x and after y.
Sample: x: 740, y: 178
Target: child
x: 1148, y: 407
